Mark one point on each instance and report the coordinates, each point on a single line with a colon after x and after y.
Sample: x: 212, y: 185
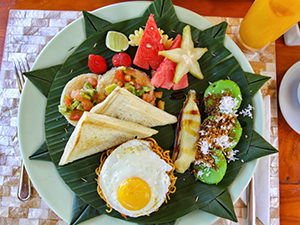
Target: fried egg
x: 134, y: 179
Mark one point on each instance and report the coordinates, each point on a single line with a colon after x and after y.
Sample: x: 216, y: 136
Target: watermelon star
x: 186, y: 56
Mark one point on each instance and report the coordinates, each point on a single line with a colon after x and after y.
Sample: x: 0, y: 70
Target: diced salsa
x: 129, y: 79
x: 76, y: 101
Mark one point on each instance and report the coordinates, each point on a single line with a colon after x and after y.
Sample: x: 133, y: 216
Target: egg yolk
x: 134, y: 194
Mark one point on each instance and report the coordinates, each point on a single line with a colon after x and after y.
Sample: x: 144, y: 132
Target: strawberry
x: 121, y: 59
x: 97, y: 64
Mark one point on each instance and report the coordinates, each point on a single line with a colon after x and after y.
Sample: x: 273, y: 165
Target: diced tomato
x: 161, y: 105
x: 121, y: 59
x: 76, y: 115
x: 128, y: 87
x: 69, y: 93
x: 93, y: 81
x: 158, y: 94
x: 127, y: 77
x: 120, y: 84
x: 119, y: 75
x: 68, y: 101
x: 87, y: 105
x: 133, y: 82
x: 72, y: 93
x: 138, y: 87
x: 77, y: 95
x: 149, y: 98
x: 96, y: 98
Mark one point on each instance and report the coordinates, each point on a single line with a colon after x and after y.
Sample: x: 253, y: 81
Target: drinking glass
x: 267, y: 20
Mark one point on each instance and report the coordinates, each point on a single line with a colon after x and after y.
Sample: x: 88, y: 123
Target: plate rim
x: 227, y: 40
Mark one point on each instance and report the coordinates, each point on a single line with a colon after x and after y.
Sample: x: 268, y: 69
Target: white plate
x: 288, y: 97
x: 44, y: 176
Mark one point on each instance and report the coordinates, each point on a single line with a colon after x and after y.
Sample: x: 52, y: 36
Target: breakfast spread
x: 137, y: 94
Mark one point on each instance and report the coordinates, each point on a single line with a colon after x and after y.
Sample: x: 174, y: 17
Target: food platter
x: 32, y: 108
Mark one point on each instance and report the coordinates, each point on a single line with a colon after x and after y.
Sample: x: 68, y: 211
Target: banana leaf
x: 258, y: 148
x: 215, y: 64
x: 43, y: 78
x: 41, y: 153
x: 255, y: 81
x: 93, y: 23
x: 82, y: 211
x: 218, y: 31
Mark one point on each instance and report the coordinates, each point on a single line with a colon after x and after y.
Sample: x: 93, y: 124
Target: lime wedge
x: 116, y: 41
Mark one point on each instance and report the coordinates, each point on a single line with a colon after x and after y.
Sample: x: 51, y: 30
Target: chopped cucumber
x: 122, y: 68
x: 85, y: 95
x: 147, y: 89
x: 87, y: 85
x: 63, y: 109
x: 74, y: 104
x: 132, y: 89
x: 80, y: 107
x: 127, y: 84
x: 139, y: 92
x: 91, y: 92
x: 211, y: 175
x: 110, y: 88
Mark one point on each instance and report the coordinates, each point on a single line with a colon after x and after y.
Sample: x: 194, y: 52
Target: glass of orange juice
x: 267, y: 20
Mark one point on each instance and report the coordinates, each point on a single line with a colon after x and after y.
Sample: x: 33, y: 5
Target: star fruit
x: 186, y: 56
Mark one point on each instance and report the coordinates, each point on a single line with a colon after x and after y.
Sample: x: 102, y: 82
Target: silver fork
x: 24, y: 188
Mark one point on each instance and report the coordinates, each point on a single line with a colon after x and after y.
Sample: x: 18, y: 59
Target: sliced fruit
x: 163, y: 77
x: 151, y: 43
x: 216, y: 91
x: 212, y: 175
x: 116, y: 41
x: 186, y: 56
x: 183, y: 83
x: 187, y: 134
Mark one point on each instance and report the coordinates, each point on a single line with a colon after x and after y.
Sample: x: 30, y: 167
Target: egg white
x: 135, y: 159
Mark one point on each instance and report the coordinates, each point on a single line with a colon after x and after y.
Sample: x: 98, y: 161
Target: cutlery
x: 251, y: 217
x: 24, y: 188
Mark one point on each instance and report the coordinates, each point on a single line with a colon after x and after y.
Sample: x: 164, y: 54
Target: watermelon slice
x: 183, y: 83
x: 150, y: 44
x: 163, y: 77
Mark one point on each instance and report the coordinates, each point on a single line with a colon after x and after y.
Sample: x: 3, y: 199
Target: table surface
x: 289, y: 140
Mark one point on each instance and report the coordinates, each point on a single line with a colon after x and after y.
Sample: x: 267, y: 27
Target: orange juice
x: 267, y: 20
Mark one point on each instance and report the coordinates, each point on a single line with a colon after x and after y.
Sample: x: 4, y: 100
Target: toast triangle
x: 95, y: 133
x: 124, y: 105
